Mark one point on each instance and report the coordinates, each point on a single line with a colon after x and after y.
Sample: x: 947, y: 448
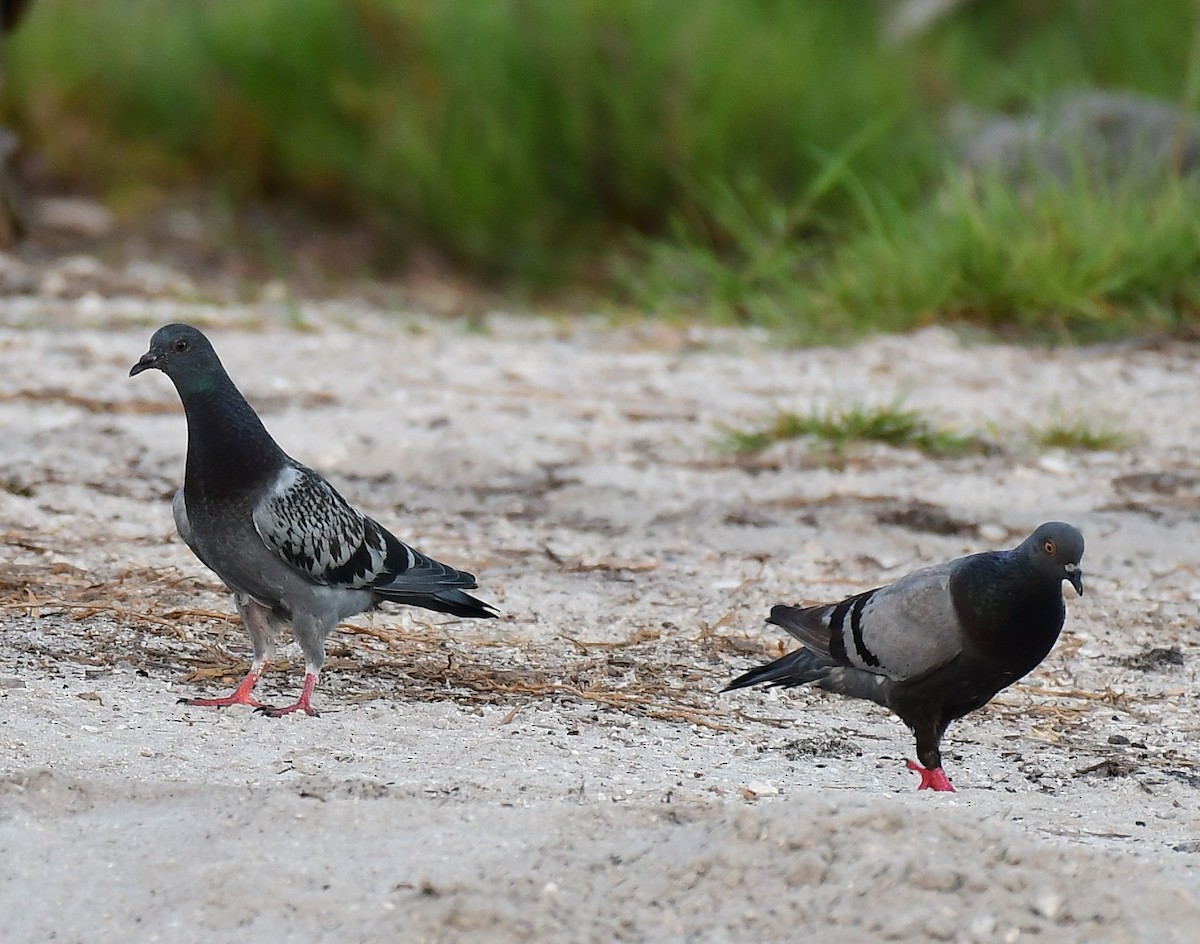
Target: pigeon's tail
x: 450, y: 600
x: 809, y: 624
x: 804, y: 666
x: 796, y: 668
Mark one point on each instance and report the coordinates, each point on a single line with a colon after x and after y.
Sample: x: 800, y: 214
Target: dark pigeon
x: 939, y: 642
x: 285, y: 542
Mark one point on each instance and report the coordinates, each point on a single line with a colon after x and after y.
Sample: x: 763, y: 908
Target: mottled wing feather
x: 307, y: 523
x: 311, y: 526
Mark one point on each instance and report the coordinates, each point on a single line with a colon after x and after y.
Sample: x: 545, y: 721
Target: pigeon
x: 939, y: 642
x: 290, y: 548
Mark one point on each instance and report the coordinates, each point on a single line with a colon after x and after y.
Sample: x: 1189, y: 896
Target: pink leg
x: 241, y: 695
x: 934, y: 779
x: 302, y: 703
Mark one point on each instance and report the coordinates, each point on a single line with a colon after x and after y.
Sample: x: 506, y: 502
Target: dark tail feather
x: 806, y: 623
x: 452, y: 601
x: 788, y: 617
x: 796, y: 668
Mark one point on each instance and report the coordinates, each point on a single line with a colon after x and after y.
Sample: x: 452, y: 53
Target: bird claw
x: 242, y: 695
x: 934, y: 779
x: 301, y: 704
x: 226, y: 702
x: 280, y: 712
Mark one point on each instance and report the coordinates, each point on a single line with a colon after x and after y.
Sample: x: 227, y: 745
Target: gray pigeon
x: 285, y: 542
x: 939, y: 642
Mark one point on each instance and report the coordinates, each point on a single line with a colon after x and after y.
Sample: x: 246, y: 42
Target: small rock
x: 983, y: 927
x: 993, y: 533
x: 153, y: 279
x: 940, y: 927
x: 16, y: 278
x: 1120, y: 136
x: 1055, y: 465
x: 1048, y: 906
x: 74, y: 215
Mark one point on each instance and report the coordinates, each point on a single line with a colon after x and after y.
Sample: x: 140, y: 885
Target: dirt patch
x: 1158, y: 659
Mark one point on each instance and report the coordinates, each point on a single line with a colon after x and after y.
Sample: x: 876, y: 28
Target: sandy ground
x: 571, y: 772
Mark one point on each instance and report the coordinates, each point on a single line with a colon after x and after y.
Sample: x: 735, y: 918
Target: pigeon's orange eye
x: 181, y: 346
x: 1048, y: 547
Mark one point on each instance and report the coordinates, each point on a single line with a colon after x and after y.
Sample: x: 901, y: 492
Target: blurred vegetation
x: 892, y: 425
x: 1104, y: 433
x: 767, y: 161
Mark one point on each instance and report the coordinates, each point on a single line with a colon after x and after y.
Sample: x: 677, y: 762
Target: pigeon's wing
x: 902, y: 631
x: 305, y: 521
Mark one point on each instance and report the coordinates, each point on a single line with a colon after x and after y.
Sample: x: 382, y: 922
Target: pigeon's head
x: 182, y: 353
x: 1055, y: 550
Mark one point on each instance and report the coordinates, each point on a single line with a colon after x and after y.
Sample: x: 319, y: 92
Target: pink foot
x: 241, y: 696
x: 303, y: 703
x: 934, y: 779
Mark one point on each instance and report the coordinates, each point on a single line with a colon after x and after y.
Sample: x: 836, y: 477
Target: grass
x: 1080, y: 260
x: 1083, y: 259
x: 512, y: 136
x: 1079, y: 433
x: 761, y: 162
x: 893, y: 425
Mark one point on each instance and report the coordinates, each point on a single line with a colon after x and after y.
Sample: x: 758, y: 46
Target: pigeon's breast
x: 1011, y: 621
x: 225, y: 540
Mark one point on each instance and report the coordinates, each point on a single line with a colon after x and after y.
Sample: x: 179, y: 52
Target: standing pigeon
x: 285, y: 542
x: 939, y: 642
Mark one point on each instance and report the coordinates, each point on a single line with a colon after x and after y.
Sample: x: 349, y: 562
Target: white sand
x: 570, y: 772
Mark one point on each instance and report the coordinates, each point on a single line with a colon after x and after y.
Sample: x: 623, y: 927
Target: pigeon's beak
x: 1075, y: 575
x: 147, y: 361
